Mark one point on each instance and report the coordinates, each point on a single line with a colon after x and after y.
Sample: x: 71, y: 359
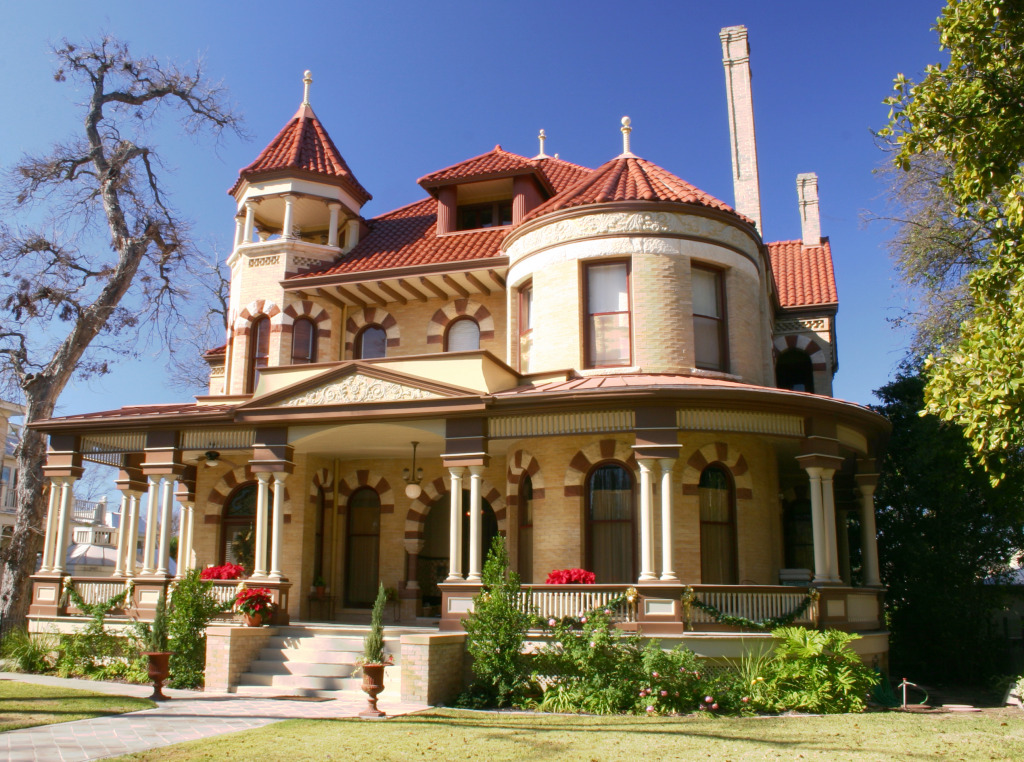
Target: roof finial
x: 307, y: 80
x: 626, y: 129
x: 542, y: 137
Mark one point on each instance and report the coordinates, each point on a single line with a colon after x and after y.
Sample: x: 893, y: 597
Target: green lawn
x: 453, y: 735
x: 23, y: 705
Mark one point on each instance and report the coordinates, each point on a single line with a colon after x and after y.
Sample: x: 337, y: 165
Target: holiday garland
x: 629, y: 598
x: 771, y: 623
x: 95, y: 609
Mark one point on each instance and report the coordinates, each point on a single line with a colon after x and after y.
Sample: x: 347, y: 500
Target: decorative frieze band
x: 802, y: 324
x: 358, y: 389
x: 265, y: 261
x: 512, y: 427
x: 746, y: 422
x: 217, y: 439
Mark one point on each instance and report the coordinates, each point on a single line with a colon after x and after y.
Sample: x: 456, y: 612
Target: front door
x: 362, y: 550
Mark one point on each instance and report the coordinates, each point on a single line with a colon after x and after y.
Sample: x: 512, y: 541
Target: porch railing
x: 757, y: 605
x: 550, y: 602
x: 94, y: 591
x: 89, y: 510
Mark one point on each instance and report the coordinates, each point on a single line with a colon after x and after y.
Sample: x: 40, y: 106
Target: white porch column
x: 818, y: 525
x: 262, y: 495
x: 289, y: 216
x: 275, y: 536
x: 184, y: 526
x: 667, y: 573
x: 239, y: 230
x: 250, y: 221
x: 190, y: 514
x: 828, y: 507
x: 646, y: 523
x: 869, y: 536
x: 332, y: 231
x: 476, y: 474
x: 455, y: 529
x: 131, y: 559
x: 166, y: 513
x: 67, y: 504
x: 52, y: 519
x: 121, y: 536
x: 152, y: 510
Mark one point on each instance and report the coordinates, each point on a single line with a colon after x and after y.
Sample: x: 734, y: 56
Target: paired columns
x: 647, y: 545
x: 271, y: 463
x: 475, y: 570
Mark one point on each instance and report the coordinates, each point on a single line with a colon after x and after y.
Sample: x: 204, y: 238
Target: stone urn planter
x: 159, y: 671
x: 373, y: 684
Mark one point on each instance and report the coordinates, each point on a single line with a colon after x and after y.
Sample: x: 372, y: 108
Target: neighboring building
x: 10, y: 436
x: 608, y: 366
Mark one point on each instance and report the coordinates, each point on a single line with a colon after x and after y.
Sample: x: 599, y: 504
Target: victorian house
x: 607, y: 366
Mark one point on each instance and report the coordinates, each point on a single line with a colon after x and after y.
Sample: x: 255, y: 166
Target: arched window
x: 794, y: 370
x: 362, y: 548
x: 611, y: 532
x: 259, y: 351
x: 717, y: 528
x: 303, y: 342
x: 238, y: 526
x: 371, y: 342
x: 526, y: 529
x: 462, y: 335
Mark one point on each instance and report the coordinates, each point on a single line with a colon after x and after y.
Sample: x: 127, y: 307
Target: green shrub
x: 812, y: 671
x: 192, y: 608
x: 496, y: 631
x: 373, y: 643
x: 29, y: 653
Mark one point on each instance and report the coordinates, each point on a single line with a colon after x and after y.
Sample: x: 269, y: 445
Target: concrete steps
x: 320, y: 660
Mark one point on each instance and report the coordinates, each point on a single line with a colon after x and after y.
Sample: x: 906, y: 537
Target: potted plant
x: 374, y: 660
x: 255, y: 605
x: 318, y: 586
x: 154, y: 640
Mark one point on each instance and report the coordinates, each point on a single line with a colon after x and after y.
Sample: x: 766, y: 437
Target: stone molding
x: 355, y: 389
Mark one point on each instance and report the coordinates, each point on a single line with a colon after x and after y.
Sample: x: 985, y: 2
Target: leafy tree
x: 943, y: 529
x: 969, y: 112
x: 97, y: 253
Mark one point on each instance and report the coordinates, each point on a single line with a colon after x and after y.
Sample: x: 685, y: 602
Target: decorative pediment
x: 356, y: 388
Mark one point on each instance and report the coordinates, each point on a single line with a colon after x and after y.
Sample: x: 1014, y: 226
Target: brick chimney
x: 810, y: 220
x: 736, y: 59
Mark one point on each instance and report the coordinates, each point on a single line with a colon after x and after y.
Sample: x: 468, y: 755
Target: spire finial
x: 307, y: 80
x: 626, y: 129
x: 542, y: 137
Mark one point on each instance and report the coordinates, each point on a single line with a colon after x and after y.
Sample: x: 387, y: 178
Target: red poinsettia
x: 253, y: 601
x: 224, y: 571
x: 571, y: 577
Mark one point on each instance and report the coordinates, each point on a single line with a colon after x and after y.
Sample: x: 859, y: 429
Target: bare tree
x: 103, y: 258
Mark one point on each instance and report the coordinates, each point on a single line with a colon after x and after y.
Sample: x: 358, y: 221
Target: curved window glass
x: 238, y: 527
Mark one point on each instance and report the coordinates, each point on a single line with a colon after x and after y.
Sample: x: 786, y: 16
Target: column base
x: 454, y: 578
x: 474, y: 578
x: 648, y: 577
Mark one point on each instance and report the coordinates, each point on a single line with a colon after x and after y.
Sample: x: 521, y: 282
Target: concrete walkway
x: 190, y: 715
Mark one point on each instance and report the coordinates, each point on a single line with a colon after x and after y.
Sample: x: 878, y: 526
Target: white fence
x: 756, y: 605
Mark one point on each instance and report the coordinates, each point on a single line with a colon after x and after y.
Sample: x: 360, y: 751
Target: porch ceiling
x: 361, y: 441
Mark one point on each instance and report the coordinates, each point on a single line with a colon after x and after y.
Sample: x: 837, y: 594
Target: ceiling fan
x: 211, y: 458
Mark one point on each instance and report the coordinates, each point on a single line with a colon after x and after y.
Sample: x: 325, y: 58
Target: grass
x: 449, y: 734
x: 25, y: 705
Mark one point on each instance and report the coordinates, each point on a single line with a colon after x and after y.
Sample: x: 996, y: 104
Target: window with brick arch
x: 303, y: 342
x: 238, y: 526
x: 462, y: 335
x: 362, y: 548
x: 717, y: 527
x: 371, y: 342
x: 794, y: 370
x: 611, y: 524
x: 259, y: 351
x: 525, y: 551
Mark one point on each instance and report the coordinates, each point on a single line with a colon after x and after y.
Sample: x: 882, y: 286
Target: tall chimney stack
x: 736, y: 59
x: 810, y: 219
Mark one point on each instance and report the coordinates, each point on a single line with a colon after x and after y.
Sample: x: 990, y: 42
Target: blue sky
x: 406, y: 88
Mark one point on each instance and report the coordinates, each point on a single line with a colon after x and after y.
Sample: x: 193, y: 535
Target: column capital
x: 819, y: 461
x: 476, y: 470
x: 262, y: 476
x: 334, y: 205
x: 456, y: 471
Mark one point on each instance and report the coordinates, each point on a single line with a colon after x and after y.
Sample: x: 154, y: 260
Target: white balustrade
x: 755, y: 605
x: 556, y: 604
x: 95, y: 591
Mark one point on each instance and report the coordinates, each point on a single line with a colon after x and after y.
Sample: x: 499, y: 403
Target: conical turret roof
x: 630, y: 178
x: 304, y: 146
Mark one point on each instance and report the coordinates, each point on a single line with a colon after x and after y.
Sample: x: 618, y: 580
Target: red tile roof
x: 216, y: 351
x: 408, y: 236
x: 630, y: 178
x: 803, y: 274
x: 495, y: 162
x: 303, y: 144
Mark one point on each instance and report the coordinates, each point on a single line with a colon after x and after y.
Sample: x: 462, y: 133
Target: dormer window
x: 490, y: 215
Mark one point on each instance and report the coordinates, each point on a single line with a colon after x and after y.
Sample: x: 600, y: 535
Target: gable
x: 357, y: 388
